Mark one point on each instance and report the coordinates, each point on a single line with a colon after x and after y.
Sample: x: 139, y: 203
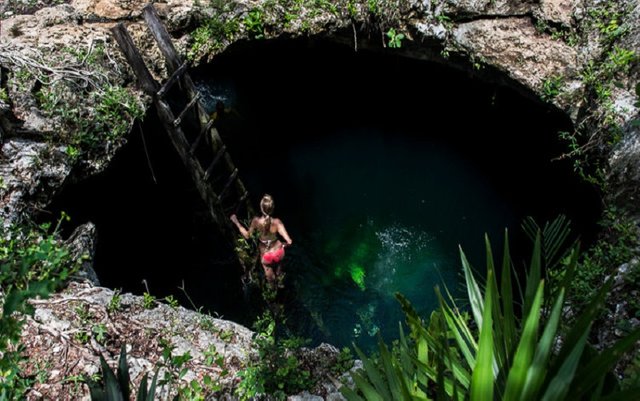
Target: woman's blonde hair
x: 266, y: 207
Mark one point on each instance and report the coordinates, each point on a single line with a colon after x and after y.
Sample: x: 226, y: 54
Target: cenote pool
x: 380, y: 167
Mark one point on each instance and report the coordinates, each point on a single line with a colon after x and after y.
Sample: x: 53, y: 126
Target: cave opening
x: 380, y: 166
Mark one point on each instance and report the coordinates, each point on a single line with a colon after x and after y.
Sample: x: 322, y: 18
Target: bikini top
x: 269, y: 238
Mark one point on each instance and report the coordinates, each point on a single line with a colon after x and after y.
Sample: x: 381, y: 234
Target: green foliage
x: 88, y: 111
x: 148, y: 301
x: 213, y: 357
x: 213, y: 34
x: 395, y: 38
x: 254, y: 24
x: 33, y: 262
x: 373, y: 6
x: 597, y: 133
x: 171, y: 367
x: 115, y: 386
x: 172, y: 301
x: 344, y: 361
x: 174, y: 365
x: 352, y: 9
x: 607, y: 19
x: 632, y: 374
x: 114, y: 304
x: 502, y: 355
x: 100, y: 332
x: 276, y: 370
x: 3, y: 95
x: 636, y: 122
x: 619, y: 61
x: 551, y: 87
x: 614, y: 248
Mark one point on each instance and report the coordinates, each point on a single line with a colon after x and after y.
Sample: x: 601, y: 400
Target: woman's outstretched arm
x: 283, y: 233
x: 243, y: 231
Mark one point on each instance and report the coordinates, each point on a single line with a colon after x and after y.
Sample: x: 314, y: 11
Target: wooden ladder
x: 218, y: 184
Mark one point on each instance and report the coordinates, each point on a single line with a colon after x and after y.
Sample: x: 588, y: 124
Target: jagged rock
x: 557, y: 11
x: 61, y: 339
x: 486, y: 8
x: 514, y: 47
x: 31, y: 173
x: 305, y: 397
x: 624, y: 172
x: 82, y: 244
x: 68, y: 333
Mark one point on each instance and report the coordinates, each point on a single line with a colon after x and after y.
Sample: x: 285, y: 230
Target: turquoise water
x: 377, y: 191
x: 377, y: 213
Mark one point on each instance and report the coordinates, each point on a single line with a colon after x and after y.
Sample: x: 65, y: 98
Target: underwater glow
x: 357, y: 275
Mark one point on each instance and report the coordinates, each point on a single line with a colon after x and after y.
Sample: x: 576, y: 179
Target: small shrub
x: 115, y: 386
x: 395, y: 38
x: 277, y: 370
x: 551, y: 87
x: 148, y: 301
x: 115, y: 302
x: 254, y: 24
x: 33, y: 263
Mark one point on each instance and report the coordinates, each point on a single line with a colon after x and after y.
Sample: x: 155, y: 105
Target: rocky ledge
x: 68, y: 332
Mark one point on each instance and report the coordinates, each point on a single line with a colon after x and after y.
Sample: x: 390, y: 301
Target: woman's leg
x: 269, y: 274
x: 280, y: 276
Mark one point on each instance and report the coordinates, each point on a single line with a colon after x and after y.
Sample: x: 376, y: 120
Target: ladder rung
x: 239, y: 204
x: 200, y: 136
x: 232, y: 177
x: 172, y: 80
x: 215, y: 161
x: 193, y: 101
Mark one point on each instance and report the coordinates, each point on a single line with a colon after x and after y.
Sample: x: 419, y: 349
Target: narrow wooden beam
x: 188, y: 107
x: 147, y: 83
x: 162, y: 37
x: 172, y: 80
x: 203, y: 132
x: 231, y: 179
x: 238, y: 205
x: 215, y: 161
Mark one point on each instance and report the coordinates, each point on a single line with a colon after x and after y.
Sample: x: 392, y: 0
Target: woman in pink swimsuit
x: 271, y: 247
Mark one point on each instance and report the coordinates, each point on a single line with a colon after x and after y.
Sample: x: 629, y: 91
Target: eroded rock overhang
x: 508, y: 42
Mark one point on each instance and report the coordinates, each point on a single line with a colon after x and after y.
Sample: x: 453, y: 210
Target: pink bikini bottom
x: 274, y: 256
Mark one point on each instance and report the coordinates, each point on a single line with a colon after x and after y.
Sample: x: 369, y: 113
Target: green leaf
x: 559, y: 385
x: 465, y: 341
x: 538, y: 370
x: 398, y: 390
x: 509, y: 324
x: 96, y: 392
x: 533, y: 278
x: 473, y: 291
x: 368, y: 391
x: 373, y: 375
x: 581, y: 325
x: 123, y: 373
x: 482, y: 377
x: 600, y: 365
x: 526, y: 347
x: 142, y: 390
x: 500, y: 354
x: 349, y: 394
x: 12, y: 301
x: 112, y: 388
